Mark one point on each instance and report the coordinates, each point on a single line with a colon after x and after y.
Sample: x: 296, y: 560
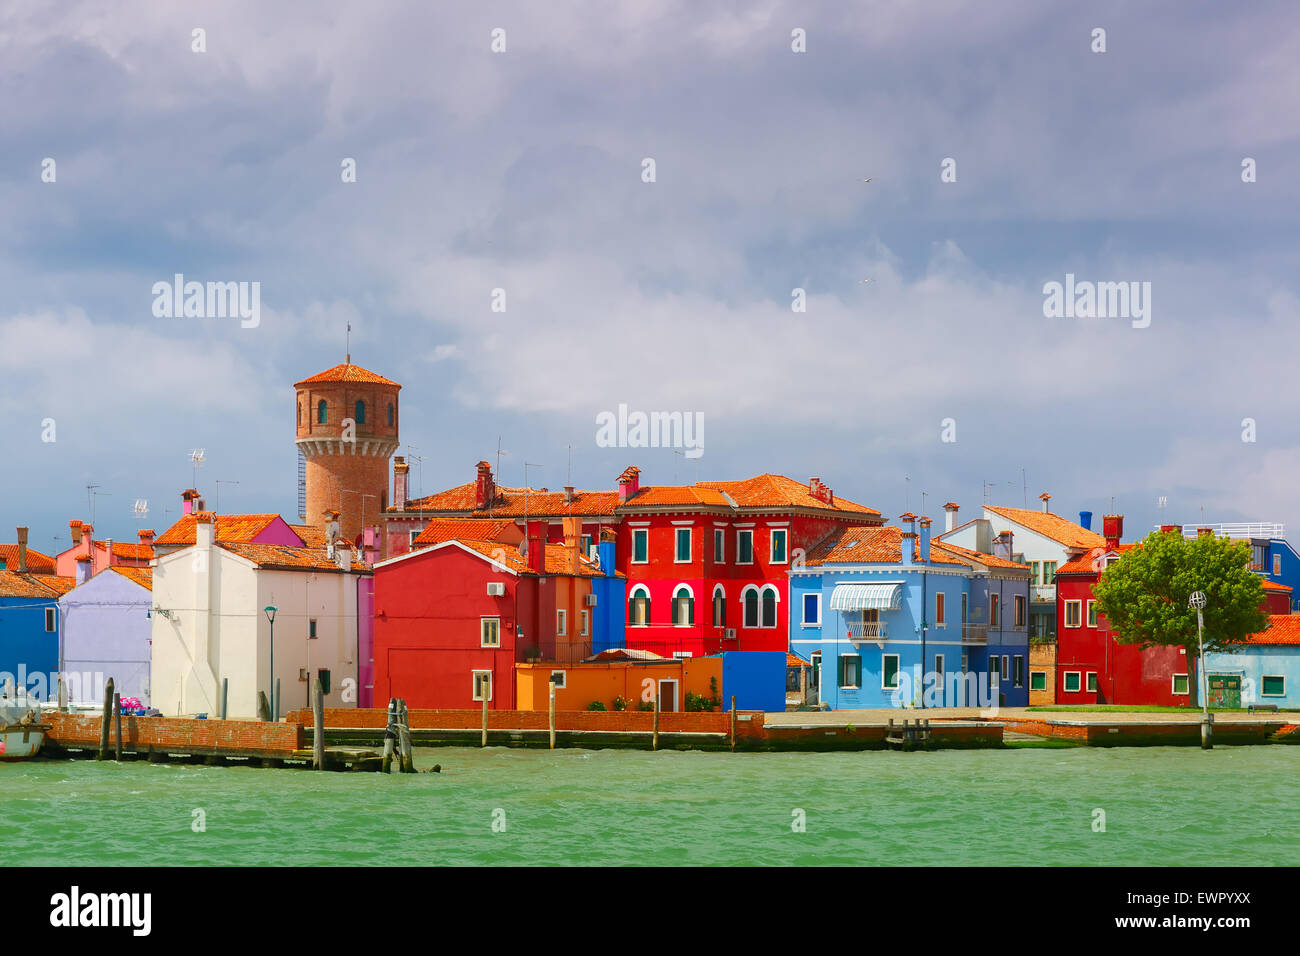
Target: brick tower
x: 347, y: 431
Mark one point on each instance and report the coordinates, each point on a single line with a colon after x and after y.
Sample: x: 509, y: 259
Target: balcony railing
x: 974, y: 633
x: 867, y: 631
x: 1042, y: 592
x: 1239, y: 529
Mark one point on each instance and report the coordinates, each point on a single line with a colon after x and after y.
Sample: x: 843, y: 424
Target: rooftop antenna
x: 527, y: 465
x: 141, y: 510
x: 410, y: 449
x: 907, y: 494
x: 92, y: 497
x: 348, y: 346
x: 196, y: 458
x: 216, y: 504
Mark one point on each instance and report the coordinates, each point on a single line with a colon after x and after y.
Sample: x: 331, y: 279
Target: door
x: 667, y: 696
x: 1225, y: 690
x: 939, y: 680
x: 815, y: 683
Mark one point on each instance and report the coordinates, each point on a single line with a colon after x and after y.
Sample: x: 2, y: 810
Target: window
x: 749, y: 602
x: 939, y: 670
x: 719, y: 607
x: 1277, y: 565
x: 640, y: 545
x: 1072, y: 681
x: 812, y: 610
x: 360, y: 415
x: 1005, y: 670
x: 390, y: 414
x: 769, y: 606
x: 683, y: 553
x: 1034, y: 570
x: 50, y: 618
x: 1020, y: 610
x: 850, y: 670
x: 322, y: 415
x: 1049, y: 572
x: 587, y: 545
x: 1257, y: 555
x: 744, y: 547
x: 561, y: 622
x: 1092, y: 613
x: 995, y: 608
x: 683, y: 606
x: 1072, y: 612
x: 299, y: 413
x: 1272, y: 685
x: 1038, y: 680
x: 482, y: 685
x: 638, y: 607
x: 1180, y: 685
x: 719, y: 545
x: 311, y: 629
x: 585, y: 619
x: 778, y: 546
x: 489, y: 632
x: 1018, y: 671
x: 889, y: 672
x: 560, y: 679
x: 1092, y: 682
x: 940, y: 607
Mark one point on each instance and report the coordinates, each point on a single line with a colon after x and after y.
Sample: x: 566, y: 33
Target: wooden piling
x: 733, y: 723
x: 108, y: 716
x: 263, y: 706
x: 117, y: 725
x: 404, y: 736
x: 317, y: 726
x: 654, y: 736
x: 390, y: 735
x: 483, y: 741
x: 551, y: 714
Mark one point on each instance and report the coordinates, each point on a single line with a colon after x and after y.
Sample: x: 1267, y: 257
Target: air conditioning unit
x: 591, y: 600
x: 496, y: 589
x: 729, y: 634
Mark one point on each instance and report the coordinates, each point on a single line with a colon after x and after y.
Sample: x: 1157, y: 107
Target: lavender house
x: 107, y: 631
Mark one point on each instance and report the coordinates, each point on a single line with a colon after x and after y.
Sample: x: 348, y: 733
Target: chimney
x: 204, y: 530
x: 1046, y: 499
x: 108, y: 552
x: 1002, y: 545
x: 84, y: 565
x: 370, y: 548
x: 908, y: 544
x: 1167, y: 528
x: 188, y: 498
x: 400, y: 470
x: 343, y: 555
x: 331, y: 531
x: 22, y: 550
x: 1085, y: 520
x: 568, y: 494
x: 572, y: 541
x: 950, y: 516
x: 484, y: 486
x: 74, y: 528
x: 536, y: 540
x: 1204, y: 532
x: 146, y: 538
x: 925, y: 539
x: 629, y: 483
x: 983, y: 536
x: 1112, y: 527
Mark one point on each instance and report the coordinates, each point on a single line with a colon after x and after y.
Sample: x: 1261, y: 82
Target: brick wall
x: 1042, y: 657
x: 179, y: 735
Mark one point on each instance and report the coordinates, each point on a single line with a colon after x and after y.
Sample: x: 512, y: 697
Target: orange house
x: 636, y: 682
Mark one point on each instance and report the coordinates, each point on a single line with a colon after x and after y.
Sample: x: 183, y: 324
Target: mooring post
x: 225, y: 697
x: 108, y: 716
x: 263, y: 706
x: 63, y: 695
x: 733, y: 723
x: 390, y: 735
x: 483, y: 741
x: 654, y: 736
x: 1207, y: 732
x: 551, y: 713
x: 404, y: 736
x: 317, y: 725
x: 117, y: 724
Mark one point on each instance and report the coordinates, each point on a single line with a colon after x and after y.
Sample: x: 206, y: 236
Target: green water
x: 1163, y: 806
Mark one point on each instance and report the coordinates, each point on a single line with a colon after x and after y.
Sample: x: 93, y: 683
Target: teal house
x: 1266, y: 670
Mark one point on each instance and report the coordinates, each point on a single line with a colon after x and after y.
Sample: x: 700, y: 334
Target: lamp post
x: 270, y: 610
x: 1197, y: 601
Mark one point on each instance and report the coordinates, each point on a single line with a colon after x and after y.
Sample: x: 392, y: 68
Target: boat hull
x: 21, y: 743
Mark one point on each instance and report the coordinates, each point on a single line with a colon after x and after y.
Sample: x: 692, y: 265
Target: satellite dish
x: 1197, y: 600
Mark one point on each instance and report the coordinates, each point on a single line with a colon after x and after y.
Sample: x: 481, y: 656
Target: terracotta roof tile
x: 282, y: 557
x: 778, y: 491
x: 1050, y: 526
x: 347, y: 373
x: 989, y: 560
x: 37, y: 563
x: 862, y: 545
x: 313, y: 536
x: 1274, y: 586
x: 475, y: 529
x: 1282, y: 629
x: 141, y: 576
x: 229, y: 528
x: 510, y: 503
x: 129, y: 550
x: 675, y: 496
x: 41, y: 586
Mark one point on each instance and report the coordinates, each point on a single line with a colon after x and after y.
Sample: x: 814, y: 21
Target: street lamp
x: 270, y: 610
x: 1197, y: 601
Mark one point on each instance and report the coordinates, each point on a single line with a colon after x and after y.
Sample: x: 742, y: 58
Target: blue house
x: 1278, y: 562
x: 1265, y: 670
x: 29, y: 631
x: 610, y: 593
x: 887, y: 621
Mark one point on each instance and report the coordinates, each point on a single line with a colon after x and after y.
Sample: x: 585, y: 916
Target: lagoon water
x: 1163, y: 806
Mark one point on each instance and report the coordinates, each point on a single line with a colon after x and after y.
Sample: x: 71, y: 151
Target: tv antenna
x: 197, y: 458
x: 91, y: 497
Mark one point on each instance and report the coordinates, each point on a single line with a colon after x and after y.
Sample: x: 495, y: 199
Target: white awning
x: 885, y: 596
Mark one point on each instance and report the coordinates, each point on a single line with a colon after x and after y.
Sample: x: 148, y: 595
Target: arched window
x: 390, y: 414
x: 638, y: 607
x: 683, y: 606
x: 719, y: 607
x: 360, y: 416
x: 749, y: 600
x: 322, y: 416
x: 769, y: 606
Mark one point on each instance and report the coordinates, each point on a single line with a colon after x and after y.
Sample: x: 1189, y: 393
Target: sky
x: 1004, y: 151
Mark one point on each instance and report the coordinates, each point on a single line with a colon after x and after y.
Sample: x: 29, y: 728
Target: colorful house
x: 880, y: 616
x: 108, y: 630
x: 1264, y: 670
x: 30, y: 627
x: 103, y: 553
x: 210, y: 623
x: 1277, y: 561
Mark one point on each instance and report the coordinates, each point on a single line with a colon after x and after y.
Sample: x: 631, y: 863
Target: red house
x: 1092, y: 667
x: 452, y: 619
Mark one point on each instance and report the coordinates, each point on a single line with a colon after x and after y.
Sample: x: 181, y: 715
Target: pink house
x: 102, y: 554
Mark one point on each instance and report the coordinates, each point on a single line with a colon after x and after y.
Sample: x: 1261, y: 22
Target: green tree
x: 1144, y: 596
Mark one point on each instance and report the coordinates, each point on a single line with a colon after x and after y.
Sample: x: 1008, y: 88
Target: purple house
x: 107, y: 632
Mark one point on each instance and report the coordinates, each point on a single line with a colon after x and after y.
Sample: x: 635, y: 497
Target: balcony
x: 974, y: 633
x: 1042, y: 593
x: 867, y: 630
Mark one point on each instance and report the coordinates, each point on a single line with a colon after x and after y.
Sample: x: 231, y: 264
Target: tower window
x: 361, y: 413
x: 299, y: 413
x: 390, y: 414
x: 322, y: 416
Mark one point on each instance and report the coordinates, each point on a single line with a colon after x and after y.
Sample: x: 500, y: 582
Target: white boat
x: 21, y: 730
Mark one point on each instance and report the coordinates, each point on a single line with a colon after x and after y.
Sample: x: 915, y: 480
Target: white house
x: 210, y: 624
